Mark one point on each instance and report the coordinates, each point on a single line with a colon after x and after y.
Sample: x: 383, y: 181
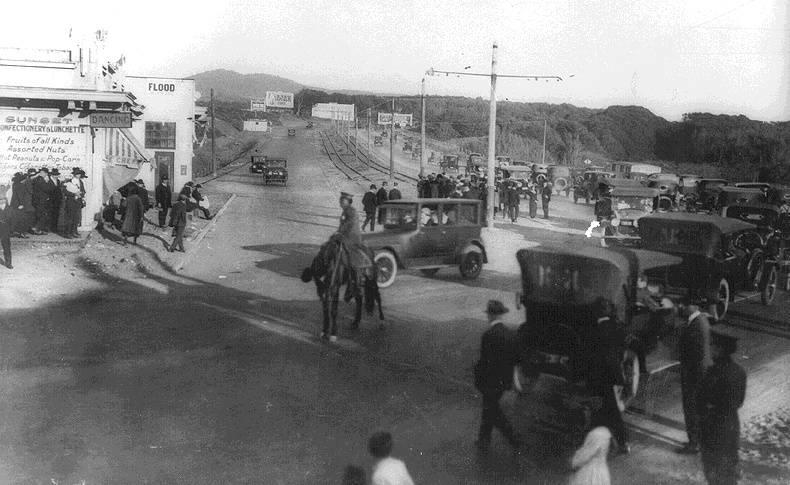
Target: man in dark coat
x: 164, y: 199
x: 142, y: 192
x: 694, y: 351
x: 41, y: 200
x: 532, y: 195
x: 494, y: 376
x: 348, y: 230
x: 199, y: 198
x: 422, y: 187
x: 178, y: 219
x: 723, y: 393
x: 22, y: 202
x: 369, y: 206
x: 545, y: 197
x: 514, y: 201
x: 6, y: 221
x: 56, y: 198
x: 394, y: 193
x: 133, y: 217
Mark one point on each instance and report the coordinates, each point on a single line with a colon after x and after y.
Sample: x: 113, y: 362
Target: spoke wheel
x: 630, y: 369
x: 471, y: 264
x: 722, y: 299
x: 768, y: 286
x: 387, y: 268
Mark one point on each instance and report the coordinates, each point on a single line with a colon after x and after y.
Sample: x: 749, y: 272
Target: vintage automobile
x: 706, y: 195
x: 560, y: 177
x: 449, y: 162
x: 291, y: 132
x: 257, y: 163
x: 587, y: 186
x: 773, y: 229
x: 519, y: 173
x: 720, y: 255
x: 428, y: 234
x: 667, y: 183
x: 276, y: 171
x: 407, y: 146
x: 378, y: 141
x: 562, y: 286
x: 629, y: 204
x: 474, y: 163
x: 309, y: 125
x: 738, y: 195
x: 502, y: 160
x: 775, y: 194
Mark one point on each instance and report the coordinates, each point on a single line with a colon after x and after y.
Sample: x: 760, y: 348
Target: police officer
x: 694, y: 350
x: 494, y: 375
x: 348, y: 230
x: 722, y: 395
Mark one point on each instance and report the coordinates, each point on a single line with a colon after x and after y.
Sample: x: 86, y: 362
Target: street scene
x: 216, y: 277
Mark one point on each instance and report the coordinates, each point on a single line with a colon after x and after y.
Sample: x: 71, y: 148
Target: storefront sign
x: 160, y: 87
x: 111, y: 120
x: 35, y: 139
x: 278, y: 99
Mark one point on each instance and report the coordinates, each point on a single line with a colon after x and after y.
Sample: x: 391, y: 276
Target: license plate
x: 626, y: 223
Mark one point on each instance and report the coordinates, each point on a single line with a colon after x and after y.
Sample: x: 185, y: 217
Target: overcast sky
x: 671, y: 56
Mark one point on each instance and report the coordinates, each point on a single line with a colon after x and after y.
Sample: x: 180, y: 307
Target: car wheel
x: 630, y: 369
x: 768, y: 286
x: 471, y: 264
x: 429, y: 271
x: 722, y: 299
x: 560, y: 184
x: 387, y: 268
x: 754, y: 269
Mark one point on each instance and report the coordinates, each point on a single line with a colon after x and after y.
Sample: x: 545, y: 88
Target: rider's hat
x: 347, y: 196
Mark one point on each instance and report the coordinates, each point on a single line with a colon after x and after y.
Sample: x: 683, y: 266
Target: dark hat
x: 164, y: 177
x: 76, y: 169
x: 32, y: 171
x: 372, y: 186
x: 347, y: 196
x: 496, y: 307
x: 54, y: 172
x: 724, y: 338
x: 189, y: 184
x: 198, y: 186
x: 43, y: 169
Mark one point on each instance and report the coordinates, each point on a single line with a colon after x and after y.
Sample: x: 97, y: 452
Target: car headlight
x: 615, y: 222
x: 636, y: 222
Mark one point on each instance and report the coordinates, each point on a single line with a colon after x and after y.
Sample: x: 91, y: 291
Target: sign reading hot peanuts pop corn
x: 35, y: 139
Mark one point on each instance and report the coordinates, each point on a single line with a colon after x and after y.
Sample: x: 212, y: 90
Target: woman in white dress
x: 589, y: 461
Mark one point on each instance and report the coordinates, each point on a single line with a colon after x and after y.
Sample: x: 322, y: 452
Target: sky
x: 671, y: 56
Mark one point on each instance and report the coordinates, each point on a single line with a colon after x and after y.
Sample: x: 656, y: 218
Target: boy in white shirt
x: 387, y: 470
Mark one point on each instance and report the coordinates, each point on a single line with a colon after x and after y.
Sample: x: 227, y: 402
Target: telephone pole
x: 422, y: 130
x: 544, y: 143
x: 392, y: 143
x: 368, y: 131
x: 213, y: 157
x: 490, y: 183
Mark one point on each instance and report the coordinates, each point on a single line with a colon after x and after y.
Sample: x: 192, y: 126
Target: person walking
x: 178, y: 219
x: 723, y: 393
x: 694, y: 351
x: 514, y: 202
x: 589, y: 461
x: 6, y: 227
x: 545, y: 197
x: 369, y: 206
x: 132, y: 224
x: 164, y: 198
x: 142, y: 193
x: 387, y: 470
x: 494, y: 376
x: 394, y: 193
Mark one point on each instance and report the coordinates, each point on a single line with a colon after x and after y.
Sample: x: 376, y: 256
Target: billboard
x: 401, y: 119
x: 279, y: 99
x: 333, y: 111
x: 257, y: 105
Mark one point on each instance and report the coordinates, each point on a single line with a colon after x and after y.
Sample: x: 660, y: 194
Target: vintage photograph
x: 490, y: 242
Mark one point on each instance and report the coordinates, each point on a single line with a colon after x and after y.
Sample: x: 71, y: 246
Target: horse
x: 331, y: 269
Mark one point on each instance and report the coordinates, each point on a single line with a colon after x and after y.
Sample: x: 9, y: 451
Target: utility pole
x: 544, y: 143
x: 392, y: 142
x: 213, y: 157
x: 368, y: 131
x: 422, y: 130
x: 491, y: 144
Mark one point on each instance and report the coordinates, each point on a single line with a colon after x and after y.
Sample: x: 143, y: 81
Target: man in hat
x: 494, y: 376
x: 164, y: 198
x: 41, y: 200
x: 6, y: 223
x: 202, y: 202
x: 545, y: 197
x: 77, y: 175
x: 694, y: 352
x: 178, y: 219
x: 22, y: 202
x: 369, y: 206
x: 394, y: 193
x: 348, y: 230
x: 56, y: 199
x: 723, y: 393
x: 142, y: 192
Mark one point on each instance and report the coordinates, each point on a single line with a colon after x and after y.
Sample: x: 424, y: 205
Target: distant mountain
x: 233, y: 86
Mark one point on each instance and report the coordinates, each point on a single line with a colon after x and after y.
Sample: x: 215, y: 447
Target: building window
x: 160, y: 135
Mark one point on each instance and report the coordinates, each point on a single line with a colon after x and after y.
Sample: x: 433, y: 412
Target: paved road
x: 216, y: 374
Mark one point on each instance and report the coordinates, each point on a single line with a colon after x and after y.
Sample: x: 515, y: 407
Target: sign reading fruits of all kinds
x: 279, y: 99
x: 34, y: 139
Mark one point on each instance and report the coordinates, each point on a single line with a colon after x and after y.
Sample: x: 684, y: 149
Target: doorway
x: 164, y: 163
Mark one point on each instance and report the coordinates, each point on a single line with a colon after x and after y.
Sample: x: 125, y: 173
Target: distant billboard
x: 401, y: 119
x: 257, y: 105
x: 333, y: 111
x: 279, y: 99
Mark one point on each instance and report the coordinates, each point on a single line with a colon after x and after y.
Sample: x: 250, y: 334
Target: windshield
x: 625, y: 202
x: 400, y: 218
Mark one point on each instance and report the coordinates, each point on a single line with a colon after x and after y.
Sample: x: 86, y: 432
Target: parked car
x: 562, y: 284
x: 257, y: 163
x: 629, y: 204
x: 706, y: 195
x: 291, y: 132
x: 378, y: 141
x: 720, y: 255
x: 738, y: 195
x: 428, y: 234
x: 407, y: 146
x: 560, y: 177
x: 449, y: 162
x: 587, y: 186
x: 276, y: 171
x: 474, y: 162
x: 309, y: 125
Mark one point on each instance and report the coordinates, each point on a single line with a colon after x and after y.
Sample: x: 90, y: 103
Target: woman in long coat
x: 133, y: 217
x: 589, y: 461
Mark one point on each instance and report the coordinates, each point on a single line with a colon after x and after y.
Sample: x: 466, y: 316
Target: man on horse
x: 348, y: 231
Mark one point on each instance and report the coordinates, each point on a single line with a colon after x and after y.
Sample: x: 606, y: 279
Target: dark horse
x: 331, y: 269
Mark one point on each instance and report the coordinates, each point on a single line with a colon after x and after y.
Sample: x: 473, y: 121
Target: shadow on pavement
x: 286, y: 259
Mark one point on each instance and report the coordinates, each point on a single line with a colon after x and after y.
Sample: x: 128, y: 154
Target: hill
x: 233, y: 86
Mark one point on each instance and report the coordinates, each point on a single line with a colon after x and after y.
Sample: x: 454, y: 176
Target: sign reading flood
x: 35, y: 139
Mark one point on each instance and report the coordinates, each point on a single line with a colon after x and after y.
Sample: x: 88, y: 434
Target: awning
x: 115, y: 177
x: 138, y: 147
x: 24, y: 92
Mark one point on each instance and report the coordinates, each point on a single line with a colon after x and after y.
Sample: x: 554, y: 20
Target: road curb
x: 753, y: 318
x: 201, y: 234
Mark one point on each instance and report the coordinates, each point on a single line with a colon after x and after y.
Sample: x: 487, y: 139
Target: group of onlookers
x: 373, y: 198
x: 509, y: 197
x: 39, y: 202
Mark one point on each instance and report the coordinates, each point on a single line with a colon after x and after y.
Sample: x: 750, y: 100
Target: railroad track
x: 355, y: 164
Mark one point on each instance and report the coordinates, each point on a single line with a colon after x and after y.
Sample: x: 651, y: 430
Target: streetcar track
x: 345, y: 167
